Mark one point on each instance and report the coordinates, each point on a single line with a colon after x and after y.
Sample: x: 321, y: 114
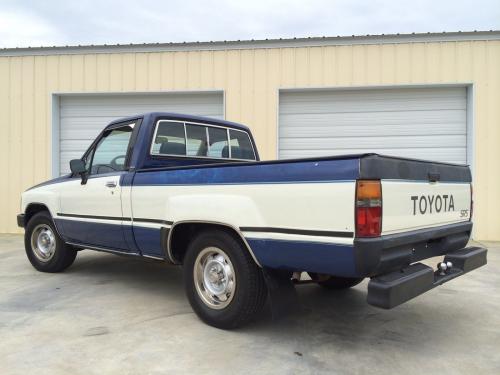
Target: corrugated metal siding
x: 423, y: 123
x: 82, y: 117
x: 251, y: 80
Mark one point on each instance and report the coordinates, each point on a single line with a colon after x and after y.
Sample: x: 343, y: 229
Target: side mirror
x: 77, y: 167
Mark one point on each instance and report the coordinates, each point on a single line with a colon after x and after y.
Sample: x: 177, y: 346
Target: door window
x: 110, y: 153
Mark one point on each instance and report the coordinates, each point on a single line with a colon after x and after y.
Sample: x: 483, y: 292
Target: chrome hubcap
x: 214, y: 277
x: 43, y: 242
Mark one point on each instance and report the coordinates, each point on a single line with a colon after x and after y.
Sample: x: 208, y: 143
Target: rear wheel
x: 335, y: 282
x: 223, y: 284
x: 46, y: 251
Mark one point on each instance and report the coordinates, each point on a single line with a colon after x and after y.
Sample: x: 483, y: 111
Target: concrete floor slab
x: 115, y: 315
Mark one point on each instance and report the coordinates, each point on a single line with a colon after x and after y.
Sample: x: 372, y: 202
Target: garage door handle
x: 111, y: 184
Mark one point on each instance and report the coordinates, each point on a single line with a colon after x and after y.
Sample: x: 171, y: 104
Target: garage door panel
x: 70, y: 145
x: 379, y: 101
x: 374, y: 93
x: 113, y: 112
x: 389, y: 94
x: 373, y: 130
x: 84, y: 130
x: 168, y: 99
x: 82, y: 121
x: 427, y: 123
x: 402, y: 117
x: 328, y: 143
x: 341, y: 100
x: 375, y: 107
x: 82, y: 117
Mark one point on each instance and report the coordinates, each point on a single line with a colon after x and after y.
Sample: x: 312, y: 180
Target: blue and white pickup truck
x: 192, y: 191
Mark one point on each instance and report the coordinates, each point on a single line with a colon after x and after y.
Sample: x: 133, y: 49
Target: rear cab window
x: 241, y: 146
x: 193, y: 140
x: 170, y: 140
x: 219, y: 145
x: 196, y: 140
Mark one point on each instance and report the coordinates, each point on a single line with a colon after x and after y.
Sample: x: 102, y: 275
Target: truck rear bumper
x: 394, y: 288
x: 380, y: 255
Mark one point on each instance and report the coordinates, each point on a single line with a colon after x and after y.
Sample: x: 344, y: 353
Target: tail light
x: 368, y: 208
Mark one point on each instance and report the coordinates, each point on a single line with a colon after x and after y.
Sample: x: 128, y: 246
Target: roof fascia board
x: 256, y: 44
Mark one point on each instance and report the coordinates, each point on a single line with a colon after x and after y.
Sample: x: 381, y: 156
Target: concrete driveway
x: 115, y: 315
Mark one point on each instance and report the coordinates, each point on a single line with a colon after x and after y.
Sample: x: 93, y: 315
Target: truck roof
x: 184, y: 117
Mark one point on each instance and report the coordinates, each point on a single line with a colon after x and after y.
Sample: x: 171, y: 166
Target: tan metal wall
x: 251, y: 79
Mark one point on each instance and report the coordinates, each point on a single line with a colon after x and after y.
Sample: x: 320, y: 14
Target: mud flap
x: 282, y: 294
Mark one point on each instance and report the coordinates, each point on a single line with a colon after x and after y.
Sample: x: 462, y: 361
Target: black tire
x: 250, y: 292
x: 62, y: 256
x: 336, y: 282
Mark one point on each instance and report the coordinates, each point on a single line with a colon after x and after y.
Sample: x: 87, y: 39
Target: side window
x: 170, y: 139
x: 241, y: 146
x: 197, y: 144
x: 111, y: 151
x: 218, y: 147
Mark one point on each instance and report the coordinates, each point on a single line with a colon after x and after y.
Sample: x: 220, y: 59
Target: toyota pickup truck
x: 192, y: 191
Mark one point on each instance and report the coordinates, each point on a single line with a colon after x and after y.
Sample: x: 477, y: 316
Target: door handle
x: 111, y: 184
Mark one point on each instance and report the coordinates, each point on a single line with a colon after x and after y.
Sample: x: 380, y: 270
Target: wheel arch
x: 35, y: 207
x: 32, y: 209
x: 177, y: 240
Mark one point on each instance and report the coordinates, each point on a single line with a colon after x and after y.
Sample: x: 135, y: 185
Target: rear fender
x: 215, y: 208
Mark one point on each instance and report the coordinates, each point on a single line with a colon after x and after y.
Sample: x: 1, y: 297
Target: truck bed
x: 298, y: 214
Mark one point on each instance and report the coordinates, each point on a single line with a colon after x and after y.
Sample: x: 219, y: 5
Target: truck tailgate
x: 414, y: 205
x: 419, y: 194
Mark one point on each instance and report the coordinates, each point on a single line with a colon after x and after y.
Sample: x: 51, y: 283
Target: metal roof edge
x: 257, y: 44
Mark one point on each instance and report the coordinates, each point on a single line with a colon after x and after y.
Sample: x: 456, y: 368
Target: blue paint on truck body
x: 319, y: 257
x: 93, y: 233
x: 148, y: 240
x: 253, y: 173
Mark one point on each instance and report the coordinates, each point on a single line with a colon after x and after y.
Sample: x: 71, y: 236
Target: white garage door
x: 83, y: 117
x: 422, y: 123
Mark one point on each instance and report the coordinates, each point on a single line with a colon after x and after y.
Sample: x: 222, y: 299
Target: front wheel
x: 46, y: 251
x: 223, y: 284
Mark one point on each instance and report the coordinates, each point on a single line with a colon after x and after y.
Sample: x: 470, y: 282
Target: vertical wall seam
x: 352, y: 67
x: 109, y: 72
x: 83, y: 71
x: 33, y: 94
x: 46, y: 120
x: 96, y: 72
x: 9, y: 128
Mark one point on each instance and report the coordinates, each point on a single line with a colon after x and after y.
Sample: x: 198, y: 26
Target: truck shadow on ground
x: 321, y: 316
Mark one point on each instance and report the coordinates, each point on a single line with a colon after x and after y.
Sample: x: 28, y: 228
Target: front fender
x: 44, y: 196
